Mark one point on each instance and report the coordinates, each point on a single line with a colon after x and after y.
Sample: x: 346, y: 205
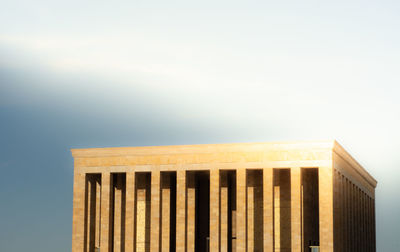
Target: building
x: 267, y: 197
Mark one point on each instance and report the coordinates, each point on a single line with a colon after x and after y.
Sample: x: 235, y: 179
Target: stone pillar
x: 326, y: 208
x: 250, y: 196
x: 165, y: 212
x: 357, y: 218
x: 341, y: 210
x: 233, y: 209
x: 190, y: 212
x: 181, y: 211
x: 118, y: 213
x: 364, y: 222
x: 224, y: 196
x: 78, y: 213
x: 105, y: 212
x: 335, y: 209
x: 268, y: 196
x: 155, y: 211
x: 241, y: 210
x: 130, y: 212
x: 214, y: 210
x: 350, y: 214
x: 98, y: 206
x: 88, y: 194
x: 352, y: 218
x: 90, y: 213
x: 346, y: 214
x: 373, y: 226
x: 360, y: 231
x: 143, y: 212
x: 295, y: 192
x: 370, y: 224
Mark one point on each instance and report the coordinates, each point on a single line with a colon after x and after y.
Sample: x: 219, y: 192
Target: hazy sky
x: 131, y: 73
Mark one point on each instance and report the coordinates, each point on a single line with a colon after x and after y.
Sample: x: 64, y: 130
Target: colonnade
x: 355, y: 216
x: 212, y: 210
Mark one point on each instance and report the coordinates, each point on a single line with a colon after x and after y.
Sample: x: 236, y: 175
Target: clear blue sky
x: 130, y: 73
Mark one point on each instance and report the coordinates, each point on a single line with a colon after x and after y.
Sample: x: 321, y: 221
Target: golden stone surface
x: 227, y: 197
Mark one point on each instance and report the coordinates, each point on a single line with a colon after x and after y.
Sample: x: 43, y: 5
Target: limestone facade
x: 270, y: 197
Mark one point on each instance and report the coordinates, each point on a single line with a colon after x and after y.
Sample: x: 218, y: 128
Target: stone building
x: 271, y: 197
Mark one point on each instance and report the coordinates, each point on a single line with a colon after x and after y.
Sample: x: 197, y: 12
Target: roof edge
x: 200, y: 148
x: 339, y: 150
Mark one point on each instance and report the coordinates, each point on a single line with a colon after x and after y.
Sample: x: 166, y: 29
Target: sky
x: 82, y: 74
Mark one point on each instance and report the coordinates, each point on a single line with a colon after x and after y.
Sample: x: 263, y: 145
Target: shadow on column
x: 117, y: 229
x: 254, y: 210
x: 310, y: 208
x: 202, y: 211
x: 168, y: 211
x: 282, y: 211
x: 92, y: 212
x: 142, y: 206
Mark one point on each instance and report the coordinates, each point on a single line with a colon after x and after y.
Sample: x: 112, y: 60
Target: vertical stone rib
x: 117, y: 213
x: 224, y: 195
x: 98, y: 205
x: 143, y: 212
x: 165, y: 212
x: 373, y: 226
x: 214, y: 210
x: 78, y: 213
x: 326, y: 208
x: 105, y: 212
x: 335, y: 209
x: 344, y: 209
x: 181, y: 211
x: 88, y: 219
x: 250, y: 188
x: 241, y: 210
x: 352, y: 236
x: 91, y: 235
x: 190, y: 212
x: 268, y: 209
x: 365, y: 227
x: 346, y: 191
x: 130, y: 212
x: 155, y: 212
x: 370, y: 224
x: 358, y: 215
x: 295, y: 191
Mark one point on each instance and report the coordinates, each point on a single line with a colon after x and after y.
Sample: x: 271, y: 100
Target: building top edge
x: 201, y: 148
x: 338, y: 149
x: 326, y: 145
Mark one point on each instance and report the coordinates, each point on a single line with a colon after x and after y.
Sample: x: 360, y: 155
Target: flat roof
x: 328, y: 145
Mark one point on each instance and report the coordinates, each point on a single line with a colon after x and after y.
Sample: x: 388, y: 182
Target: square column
x: 130, y: 212
x: 105, y: 212
x: 214, y: 210
x: 268, y: 195
x: 295, y: 192
x: 326, y: 208
x: 181, y: 211
x: 98, y: 206
x: 119, y: 212
x: 78, y: 214
x: 155, y: 212
x: 224, y: 211
x: 90, y: 213
x: 143, y: 212
x: 250, y: 196
x: 190, y: 212
x: 166, y: 210
x: 241, y: 212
